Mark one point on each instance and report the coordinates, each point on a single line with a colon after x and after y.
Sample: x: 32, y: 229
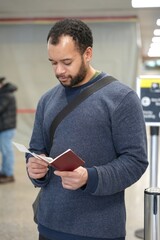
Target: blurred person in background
x: 7, y: 130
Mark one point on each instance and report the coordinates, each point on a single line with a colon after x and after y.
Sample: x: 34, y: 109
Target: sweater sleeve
x: 92, y: 182
x: 38, y: 141
x: 130, y: 143
x: 37, y: 145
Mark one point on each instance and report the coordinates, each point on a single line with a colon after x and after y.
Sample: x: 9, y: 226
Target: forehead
x: 65, y: 48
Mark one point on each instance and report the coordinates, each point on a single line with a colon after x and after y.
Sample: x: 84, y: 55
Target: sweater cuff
x: 92, y: 180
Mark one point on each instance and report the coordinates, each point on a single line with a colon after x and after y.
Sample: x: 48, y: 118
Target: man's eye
x: 53, y: 63
x: 67, y: 63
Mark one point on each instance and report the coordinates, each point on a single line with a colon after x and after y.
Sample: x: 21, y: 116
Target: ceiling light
x: 158, y: 62
x: 150, y: 64
x: 145, y: 3
x: 155, y: 45
x: 156, y: 39
x: 158, y: 22
x: 157, y: 32
x: 154, y: 52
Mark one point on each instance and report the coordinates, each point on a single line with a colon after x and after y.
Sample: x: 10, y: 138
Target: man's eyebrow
x: 62, y: 60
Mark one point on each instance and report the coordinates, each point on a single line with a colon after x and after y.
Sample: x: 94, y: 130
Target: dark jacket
x: 7, y: 107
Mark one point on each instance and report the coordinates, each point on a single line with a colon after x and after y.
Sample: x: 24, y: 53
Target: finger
x: 37, y: 164
x: 37, y: 173
x: 64, y: 173
x: 40, y: 162
x: 38, y: 170
x: 36, y: 176
x: 68, y: 186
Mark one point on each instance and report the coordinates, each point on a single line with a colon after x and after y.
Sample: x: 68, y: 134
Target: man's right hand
x: 37, y: 168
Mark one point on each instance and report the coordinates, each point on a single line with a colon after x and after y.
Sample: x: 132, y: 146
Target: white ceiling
x: 83, y: 8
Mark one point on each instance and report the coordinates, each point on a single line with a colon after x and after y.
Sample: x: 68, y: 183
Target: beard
x: 79, y: 77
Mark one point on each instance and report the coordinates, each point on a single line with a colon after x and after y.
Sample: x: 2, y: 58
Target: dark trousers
x: 42, y: 238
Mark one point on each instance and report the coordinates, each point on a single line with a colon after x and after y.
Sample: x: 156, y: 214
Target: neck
x: 90, y: 74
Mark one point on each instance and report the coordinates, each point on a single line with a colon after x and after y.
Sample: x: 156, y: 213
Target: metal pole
x: 154, y: 157
x: 152, y: 213
x: 154, y: 133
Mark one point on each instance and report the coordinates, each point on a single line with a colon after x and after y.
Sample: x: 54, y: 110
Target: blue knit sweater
x: 107, y: 131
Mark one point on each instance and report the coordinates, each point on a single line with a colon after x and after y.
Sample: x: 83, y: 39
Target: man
x: 107, y: 131
x: 7, y: 130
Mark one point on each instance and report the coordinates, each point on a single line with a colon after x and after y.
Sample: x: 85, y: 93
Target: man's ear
x: 88, y: 54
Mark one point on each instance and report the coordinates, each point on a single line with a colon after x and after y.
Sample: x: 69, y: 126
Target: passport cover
x: 67, y: 161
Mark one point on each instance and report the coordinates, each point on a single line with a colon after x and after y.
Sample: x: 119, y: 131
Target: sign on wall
x: 148, y: 88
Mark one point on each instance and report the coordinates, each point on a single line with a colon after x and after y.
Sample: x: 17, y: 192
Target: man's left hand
x: 73, y: 180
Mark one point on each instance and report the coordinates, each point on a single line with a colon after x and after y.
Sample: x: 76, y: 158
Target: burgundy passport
x: 67, y: 161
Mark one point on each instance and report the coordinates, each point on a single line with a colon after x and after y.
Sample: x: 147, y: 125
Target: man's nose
x: 59, y: 69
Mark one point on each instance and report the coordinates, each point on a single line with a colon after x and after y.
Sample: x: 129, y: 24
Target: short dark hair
x: 78, y: 30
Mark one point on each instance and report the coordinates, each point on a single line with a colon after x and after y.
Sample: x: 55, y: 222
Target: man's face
x: 70, y: 67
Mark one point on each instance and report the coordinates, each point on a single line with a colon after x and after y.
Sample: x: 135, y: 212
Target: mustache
x: 61, y: 76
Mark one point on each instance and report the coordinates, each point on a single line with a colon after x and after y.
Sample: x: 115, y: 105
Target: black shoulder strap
x: 76, y: 101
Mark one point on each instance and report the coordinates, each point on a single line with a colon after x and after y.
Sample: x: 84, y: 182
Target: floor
x: 16, y: 199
